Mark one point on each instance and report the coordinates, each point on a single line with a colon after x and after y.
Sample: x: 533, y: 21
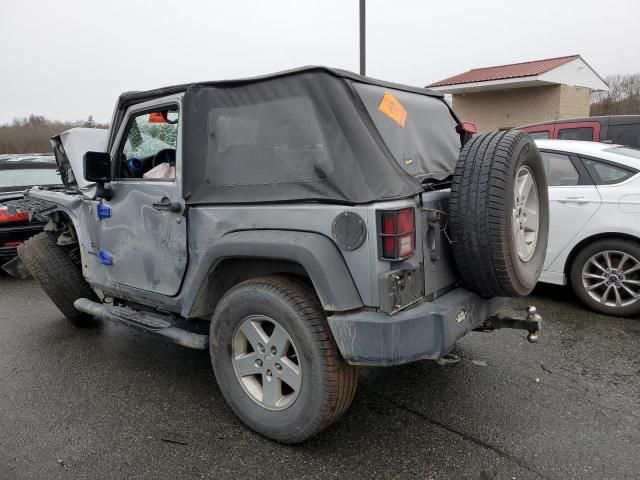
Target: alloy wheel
x: 612, y: 278
x: 526, y: 209
x: 266, y: 362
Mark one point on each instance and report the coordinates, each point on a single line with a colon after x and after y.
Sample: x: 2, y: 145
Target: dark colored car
x: 17, y: 174
x: 619, y: 129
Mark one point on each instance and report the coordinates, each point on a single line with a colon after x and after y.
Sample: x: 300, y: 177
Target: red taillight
x: 468, y: 127
x: 388, y: 228
x: 11, y: 244
x: 20, y: 215
x: 397, y: 233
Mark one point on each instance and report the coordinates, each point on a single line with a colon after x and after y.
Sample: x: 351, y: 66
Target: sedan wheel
x: 611, y: 278
x: 606, y: 276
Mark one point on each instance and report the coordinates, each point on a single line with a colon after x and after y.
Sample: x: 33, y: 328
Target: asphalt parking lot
x: 111, y: 402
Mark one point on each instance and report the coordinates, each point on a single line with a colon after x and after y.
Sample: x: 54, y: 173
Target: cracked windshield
x: 151, y: 133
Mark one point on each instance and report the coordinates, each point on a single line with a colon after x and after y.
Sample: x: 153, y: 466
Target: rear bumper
x: 427, y: 331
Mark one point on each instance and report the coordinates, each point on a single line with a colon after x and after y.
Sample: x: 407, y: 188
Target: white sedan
x: 594, y: 230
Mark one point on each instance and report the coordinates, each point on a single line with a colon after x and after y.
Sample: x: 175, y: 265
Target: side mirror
x: 97, y: 168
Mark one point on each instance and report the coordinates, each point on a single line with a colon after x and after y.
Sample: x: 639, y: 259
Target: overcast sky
x: 70, y: 59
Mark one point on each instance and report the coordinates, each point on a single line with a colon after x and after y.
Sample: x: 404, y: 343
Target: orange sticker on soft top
x: 392, y: 108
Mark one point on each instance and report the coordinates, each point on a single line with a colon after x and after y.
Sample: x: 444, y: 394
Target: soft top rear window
x: 419, y: 131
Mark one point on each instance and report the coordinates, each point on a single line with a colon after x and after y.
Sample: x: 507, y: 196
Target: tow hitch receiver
x: 533, y: 324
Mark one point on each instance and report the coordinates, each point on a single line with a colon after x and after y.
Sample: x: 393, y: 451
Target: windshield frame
x: 171, y: 104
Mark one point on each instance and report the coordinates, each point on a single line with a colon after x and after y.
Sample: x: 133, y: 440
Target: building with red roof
x: 507, y: 96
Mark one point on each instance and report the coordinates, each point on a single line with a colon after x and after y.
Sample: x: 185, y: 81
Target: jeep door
x: 143, y: 233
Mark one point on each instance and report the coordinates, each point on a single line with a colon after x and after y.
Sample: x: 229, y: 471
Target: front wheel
x: 276, y: 361
x: 58, y: 275
x: 605, y: 276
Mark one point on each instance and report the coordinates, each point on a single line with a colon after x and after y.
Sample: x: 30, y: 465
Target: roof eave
x: 499, y: 84
x: 573, y: 72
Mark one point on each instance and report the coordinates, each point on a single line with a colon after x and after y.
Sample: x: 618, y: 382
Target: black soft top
x: 309, y: 134
x: 129, y: 98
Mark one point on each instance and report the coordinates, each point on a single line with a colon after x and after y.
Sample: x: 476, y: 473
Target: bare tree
x: 623, y: 97
x: 31, y: 134
x: 90, y: 123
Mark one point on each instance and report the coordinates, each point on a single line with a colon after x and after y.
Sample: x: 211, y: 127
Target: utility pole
x: 363, y: 36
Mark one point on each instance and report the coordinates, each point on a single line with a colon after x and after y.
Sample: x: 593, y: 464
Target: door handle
x: 166, y: 204
x: 580, y: 200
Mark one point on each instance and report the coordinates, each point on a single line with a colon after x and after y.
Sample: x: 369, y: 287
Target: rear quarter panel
x: 209, y: 224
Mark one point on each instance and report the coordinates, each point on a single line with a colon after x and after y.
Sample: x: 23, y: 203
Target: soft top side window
x: 150, y: 145
x: 628, y: 134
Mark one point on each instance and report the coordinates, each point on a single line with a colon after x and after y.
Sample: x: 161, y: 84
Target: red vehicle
x: 619, y: 129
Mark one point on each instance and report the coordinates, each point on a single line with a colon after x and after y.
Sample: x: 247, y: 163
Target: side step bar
x: 146, y: 321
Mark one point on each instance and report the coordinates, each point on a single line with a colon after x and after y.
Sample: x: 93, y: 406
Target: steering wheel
x: 167, y: 153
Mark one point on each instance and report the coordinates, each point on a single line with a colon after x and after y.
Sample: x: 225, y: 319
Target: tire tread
x: 479, y: 216
x: 56, y: 273
x: 341, y: 378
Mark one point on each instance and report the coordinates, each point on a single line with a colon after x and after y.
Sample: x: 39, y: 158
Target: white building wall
x: 575, y: 73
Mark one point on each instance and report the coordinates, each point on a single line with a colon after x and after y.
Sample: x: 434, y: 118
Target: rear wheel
x: 499, y: 214
x: 275, y: 359
x: 58, y: 275
x: 605, y: 275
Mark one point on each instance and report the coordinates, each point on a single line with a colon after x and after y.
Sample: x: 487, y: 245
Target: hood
x: 69, y: 148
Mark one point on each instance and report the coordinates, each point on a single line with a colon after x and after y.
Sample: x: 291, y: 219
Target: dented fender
x: 317, y: 254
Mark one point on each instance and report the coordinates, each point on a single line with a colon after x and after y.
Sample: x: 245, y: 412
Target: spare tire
x: 499, y: 214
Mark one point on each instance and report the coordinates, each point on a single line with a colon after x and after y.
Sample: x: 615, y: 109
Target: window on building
x: 580, y: 133
x: 560, y: 169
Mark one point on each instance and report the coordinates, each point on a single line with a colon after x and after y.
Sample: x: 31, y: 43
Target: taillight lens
x: 397, y: 233
x: 468, y: 127
x: 466, y: 131
x: 20, y: 215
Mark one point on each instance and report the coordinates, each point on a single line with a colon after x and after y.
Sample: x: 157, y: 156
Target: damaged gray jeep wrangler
x: 311, y: 221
